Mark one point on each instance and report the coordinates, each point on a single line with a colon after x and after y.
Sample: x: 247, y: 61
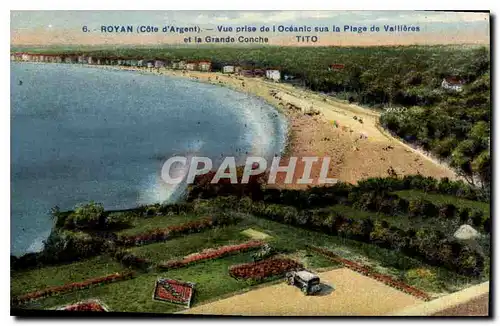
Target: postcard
x: 250, y: 163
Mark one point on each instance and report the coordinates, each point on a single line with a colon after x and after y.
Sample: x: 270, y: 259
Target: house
x: 204, y: 65
x: 190, y: 65
x: 453, y: 84
x: 68, y: 59
x: 228, y: 69
x: 150, y: 64
x: 247, y: 73
x: 181, y: 65
x: 134, y: 63
x: 82, y: 59
x: 26, y: 57
x: 334, y: 67
x: 90, y: 60
x: 159, y: 64
x: 259, y: 72
x: 273, y: 74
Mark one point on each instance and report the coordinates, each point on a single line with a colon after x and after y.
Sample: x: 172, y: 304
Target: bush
x: 119, y: 220
x: 463, y: 214
x: 447, y: 211
x: 130, y: 260
x: 477, y: 217
x: 85, y: 216
x: 422, y: 207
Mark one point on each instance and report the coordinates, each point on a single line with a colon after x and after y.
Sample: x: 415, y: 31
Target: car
x: 305, y: 280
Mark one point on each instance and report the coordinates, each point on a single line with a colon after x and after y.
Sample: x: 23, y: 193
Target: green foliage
x: 120, y: 220
x: 85, y: 216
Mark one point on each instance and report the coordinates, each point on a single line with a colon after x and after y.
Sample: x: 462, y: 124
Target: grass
x: 36, y: 279
x: 255, y: 234
x: 180, y: 247
x: 211, y: 277
x: 143, y: 225
x: 404, y: 222
x: 444, y: 199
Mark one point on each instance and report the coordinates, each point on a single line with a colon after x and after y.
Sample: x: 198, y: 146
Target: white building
x: 273, y: 74
x: 228, y: 69
x: 204, y: 65
x: 453, y: 84
x: 26, y: 57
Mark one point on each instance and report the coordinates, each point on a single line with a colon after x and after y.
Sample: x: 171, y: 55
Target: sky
x: 65, y: 27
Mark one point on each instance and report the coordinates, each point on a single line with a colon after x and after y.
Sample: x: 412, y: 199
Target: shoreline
x: 349, y: 134
x: 333, y: 132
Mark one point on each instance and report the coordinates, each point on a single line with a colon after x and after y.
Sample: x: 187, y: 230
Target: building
x: 273, y: 74
x: 334, y: 67
x: 191, y: 65
x: 68, y: 59
x: 452, y: 83
x: 228, y: 69
x: 150, y: 64
x: 90, y: 60
x: 82, y: 59
x: 259, y: 73
x: 247, y: 73
x: 204, y: 65
x: 26, y: 57
x: 159, y: 64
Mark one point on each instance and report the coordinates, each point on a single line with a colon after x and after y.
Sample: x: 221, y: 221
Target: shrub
x: 422, y: 207
x: 477, y: 217
x: 447, y: 211
x: 85, y: 216
x: 463, y: 214
x: 130, y: 260
x: 119, y: 219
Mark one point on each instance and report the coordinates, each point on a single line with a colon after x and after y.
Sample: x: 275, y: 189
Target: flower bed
x: 89, y: 305
x: 166, y: 233
x: 367, y: 271
x: 56, y: 290
x: 173, y: 291
x: 264, y: 268
x: 211, y: 253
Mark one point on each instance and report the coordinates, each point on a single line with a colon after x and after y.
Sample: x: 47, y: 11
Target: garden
x: 374, y: 228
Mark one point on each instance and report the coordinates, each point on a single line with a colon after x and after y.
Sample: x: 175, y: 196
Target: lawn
x: 211, y: 277
x: 180, y: 247
x: 143, y: 225
x: 36, y: 279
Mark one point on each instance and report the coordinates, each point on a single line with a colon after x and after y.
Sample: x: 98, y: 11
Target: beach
x: 350, y: 135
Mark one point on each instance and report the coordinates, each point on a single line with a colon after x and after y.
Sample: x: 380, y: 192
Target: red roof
x: 454, y: 80
x: 337, y: 66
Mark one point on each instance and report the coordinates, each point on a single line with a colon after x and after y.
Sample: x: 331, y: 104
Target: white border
x: 184, y: 5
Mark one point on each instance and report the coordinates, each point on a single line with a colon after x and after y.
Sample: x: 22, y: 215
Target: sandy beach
x: 350, y: 135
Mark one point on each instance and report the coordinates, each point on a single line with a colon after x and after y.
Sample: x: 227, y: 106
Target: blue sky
x: 25, y: 23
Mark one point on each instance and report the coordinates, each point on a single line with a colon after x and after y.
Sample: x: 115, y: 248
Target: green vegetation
x: 142, y: 225
x: 40, y: 278
x: 180, y: 247
x: 438, y: 199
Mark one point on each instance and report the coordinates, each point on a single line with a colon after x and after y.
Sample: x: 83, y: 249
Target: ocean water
x: 81, y: 134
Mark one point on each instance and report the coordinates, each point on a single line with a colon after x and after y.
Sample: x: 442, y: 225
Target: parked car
x: 306, y: 281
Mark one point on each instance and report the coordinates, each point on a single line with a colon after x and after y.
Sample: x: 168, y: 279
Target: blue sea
x: 80, y: 133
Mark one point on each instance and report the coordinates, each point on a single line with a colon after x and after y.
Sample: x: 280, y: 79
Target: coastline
x: 358, y: 150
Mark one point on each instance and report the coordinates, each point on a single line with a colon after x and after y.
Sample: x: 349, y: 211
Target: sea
x: 81, y: 134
